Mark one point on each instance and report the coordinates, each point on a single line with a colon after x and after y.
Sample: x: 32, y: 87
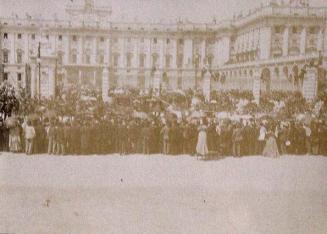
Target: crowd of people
x: 130, y: 136
x: 134, y: 122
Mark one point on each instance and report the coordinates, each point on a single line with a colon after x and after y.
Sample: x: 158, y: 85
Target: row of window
x: 74, y: 38
x: 6, y: 76
x: 295, y: 29
x: 19, y: 56
x: 142, y: 58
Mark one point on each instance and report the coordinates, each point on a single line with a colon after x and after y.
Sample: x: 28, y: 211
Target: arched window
x: 19, y: 56
x: 115, y: 59
x: 74, y: 57
x: 197, y: 59
x: 155, y: 57
x: 5, y: 56
x: 129, y: 59
x: 60, y: 58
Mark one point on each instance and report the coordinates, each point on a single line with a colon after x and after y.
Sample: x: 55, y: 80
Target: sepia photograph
x: 163, y: 116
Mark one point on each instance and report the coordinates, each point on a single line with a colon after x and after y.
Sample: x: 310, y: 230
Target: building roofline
x: 262, y: 13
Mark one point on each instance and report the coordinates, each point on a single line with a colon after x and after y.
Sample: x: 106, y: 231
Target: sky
x: 142, y: 10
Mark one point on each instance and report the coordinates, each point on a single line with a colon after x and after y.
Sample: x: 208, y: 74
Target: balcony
x: 276, y: 51
x: 294, y: 50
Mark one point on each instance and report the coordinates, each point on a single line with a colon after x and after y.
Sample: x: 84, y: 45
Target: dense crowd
x: 79, y: 123
x: 152, y: 137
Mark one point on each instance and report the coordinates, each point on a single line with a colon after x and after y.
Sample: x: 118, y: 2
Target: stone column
x: 94, y: 77
x: 303, y: 41
x: 285, y: 41
x: 52, y: 81
x: 33, y: 80
x: 26, y: 50
x: 79, y: 77
x: 187, y: 52
x: 310, y: 84
x: 106, y: 59
x: 265, y: 42
x: 148, y: 55
x: 67, y: 49
x: 12, y: 54
x: 157, y: 82
x: 203, y: 53
x: 206, y: 88
x: 320, y: 41
x: 80, y: 50
x: 162, y: 53
x: 94, y: 51
x: 325, y: 40
x: 105, y: 83
x: 256, y: 89
x: 174, y: 53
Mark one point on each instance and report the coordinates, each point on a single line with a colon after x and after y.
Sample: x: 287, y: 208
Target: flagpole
x: 39, y: 65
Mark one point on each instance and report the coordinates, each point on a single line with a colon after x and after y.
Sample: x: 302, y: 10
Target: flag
x: 39, y: 50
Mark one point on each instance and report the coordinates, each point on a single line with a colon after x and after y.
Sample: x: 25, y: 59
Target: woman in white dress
x: 271, y: 148
x: 201, y: 147
x: 14, y: 139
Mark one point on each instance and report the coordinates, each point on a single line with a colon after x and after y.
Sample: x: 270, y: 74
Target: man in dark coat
x: 323, y: 138
x: 146, y: 135
x: 84, y: 139
x: 122, y: 138
x: 76, y: 138
x: 39, y: 138
x: 68, y: 138
x: 237, y: 138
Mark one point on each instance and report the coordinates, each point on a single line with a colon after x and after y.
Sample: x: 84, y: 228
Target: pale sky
x: 142, y: 10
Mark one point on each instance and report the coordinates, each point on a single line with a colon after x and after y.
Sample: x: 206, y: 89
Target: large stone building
x: 274, y: 41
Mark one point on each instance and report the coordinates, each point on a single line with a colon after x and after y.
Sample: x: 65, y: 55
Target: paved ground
x: 158, y: 194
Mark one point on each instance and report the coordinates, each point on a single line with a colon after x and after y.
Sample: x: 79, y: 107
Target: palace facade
x: 274, y: 41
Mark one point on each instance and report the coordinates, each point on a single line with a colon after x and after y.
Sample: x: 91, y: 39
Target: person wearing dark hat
x: 146, y: 134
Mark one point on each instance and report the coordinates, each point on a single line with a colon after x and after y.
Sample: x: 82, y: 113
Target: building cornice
x: 260, y: 16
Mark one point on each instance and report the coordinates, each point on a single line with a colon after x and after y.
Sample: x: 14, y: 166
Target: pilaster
x: 303, y: 41
x: 285, y: 40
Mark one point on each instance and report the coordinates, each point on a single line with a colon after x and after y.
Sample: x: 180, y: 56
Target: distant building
x: 90, y: 49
